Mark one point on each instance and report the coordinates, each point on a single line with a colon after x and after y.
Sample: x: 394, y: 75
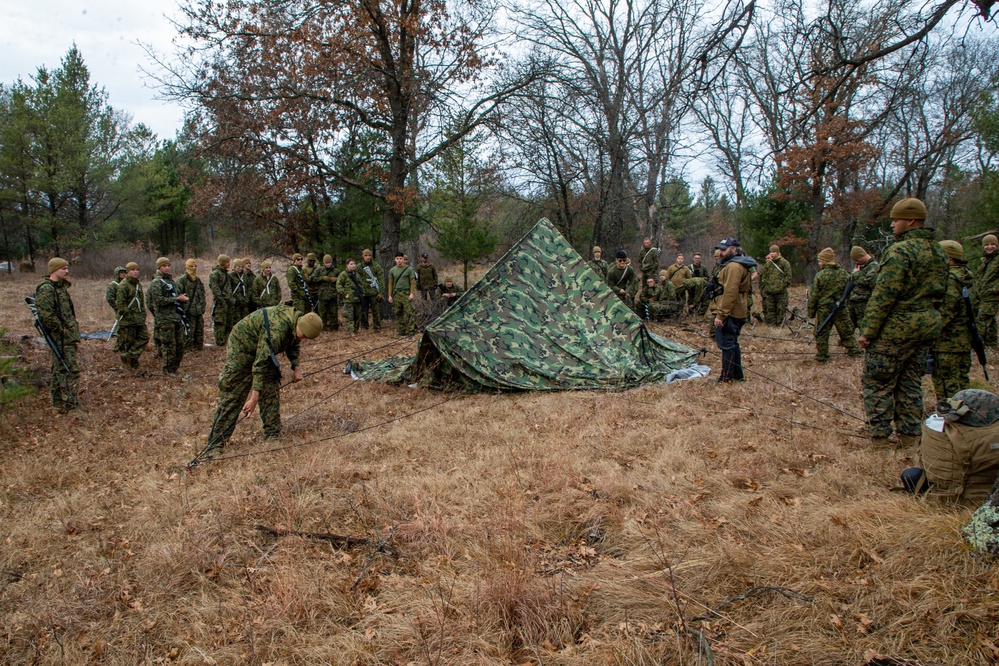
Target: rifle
x: 114, y: 329
x: 836, y: 308
x: 977, y: 344
x: 30, y: 301
x: 180, y: 308
x: 305, y: 288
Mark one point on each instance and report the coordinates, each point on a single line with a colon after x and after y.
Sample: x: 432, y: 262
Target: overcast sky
x: 39, y: 32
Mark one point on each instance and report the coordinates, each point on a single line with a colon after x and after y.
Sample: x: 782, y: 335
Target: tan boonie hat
x: 952, y: 249
x: 191, y: 263
x: 265, y: 264
x: 827, y: 256
x: 310, y: 325
x: 131, y: 266
x: 909, y: 209
x: 596, y: 248
x: 857, y: 253
x: 990, y: 240
x: 55, y: 263
x: 224, y: 260
x: 161, y: 262
x: 775, y: 248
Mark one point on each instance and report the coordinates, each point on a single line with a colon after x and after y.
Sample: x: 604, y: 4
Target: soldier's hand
x: 411, y: 297
x: 296, y: 374
x: 390, y: 299
x: 183, y: 298
x: 719, y: 322
x: 864, y: 342
x: 251, y: 403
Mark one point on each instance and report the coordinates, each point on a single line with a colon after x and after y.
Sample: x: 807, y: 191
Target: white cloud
x: 107, y: 34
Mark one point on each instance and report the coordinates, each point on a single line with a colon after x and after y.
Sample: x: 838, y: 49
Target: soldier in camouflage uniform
x: 351, y: 291
x: 372, y: 286
x: 251, y: 374
x: 952, y: 353
x: 985, y: 292
x: 402, y: 281
x: 450, y: 292
x: 775, y: 279
x: 622, y: 279
x: 167, y: 305
x: 648, y: 259
x: 295, y: 277
x: 57, y: 315
x: 111, y: 293
x: 131, y: 306
x: 310, y: 267
x: 326, y: 276
x: 697, y: 269
x: 900, y: 325
x: 266, y: 287
x: 240, y: 291
x: 426, y: 274
x: 827, y: 288
x: 694, y: 288
x: 191, y: 286
x: 598, y: 264
x: 667, y: 295
x: 864, y: 275
x: 223, y: 305
x: 249, y: 277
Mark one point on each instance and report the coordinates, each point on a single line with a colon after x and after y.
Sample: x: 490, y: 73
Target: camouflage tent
x: 539, y: 319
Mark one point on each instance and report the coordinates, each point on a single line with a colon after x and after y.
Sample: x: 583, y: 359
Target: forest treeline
x: 332, y: 126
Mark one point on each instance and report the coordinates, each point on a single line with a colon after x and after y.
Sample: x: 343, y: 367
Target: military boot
x: 880, y: 444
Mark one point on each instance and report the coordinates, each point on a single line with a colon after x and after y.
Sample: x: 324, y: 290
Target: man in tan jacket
x: 730, y: 306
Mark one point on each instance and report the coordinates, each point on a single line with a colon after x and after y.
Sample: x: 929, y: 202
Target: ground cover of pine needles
x: 690, y: 524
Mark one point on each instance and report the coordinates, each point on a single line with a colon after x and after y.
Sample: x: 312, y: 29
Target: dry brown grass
x: 576, y: 528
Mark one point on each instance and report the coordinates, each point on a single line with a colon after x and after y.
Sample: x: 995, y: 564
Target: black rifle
x: 180, y: 308
x: 305, y: 288
x: 977, y: 344
x: 30, y: 300
x: 836, y: 307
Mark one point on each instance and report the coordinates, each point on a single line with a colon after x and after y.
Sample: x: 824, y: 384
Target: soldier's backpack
x: 961, y: 462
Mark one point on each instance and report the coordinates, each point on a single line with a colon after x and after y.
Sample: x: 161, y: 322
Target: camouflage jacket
x: 677, y: 274
x: 734, y: 278
x: 453, y: 289
x: 296, y: 283
x: 369, y: 272
x: 986, y: 284
x: 626, y: 278
x: 426, y: 276
x: 162, y: 299
x: 310, y: 284
x: 111, y: 293
x: 240, y: 289
x: 955, y: 330
x: 350, y: 287
x: 194, y: 289
x: 326, y: 279
x: 863, y: 282
x: 827, y: 287
x: 648, y: 260
x: 56, y: 311
x: 266, y: 291
x: 248, y: 350
x: 649, y: 294
x: 599, y: 266
x: 700, y: 271
x: 130, y: 303
x: 220, y: 284
x: 249, y: 279
x: 908, y: 292
x: 667, y: 290
x: 775, y: 277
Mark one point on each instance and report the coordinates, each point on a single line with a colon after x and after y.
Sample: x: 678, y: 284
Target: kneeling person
x: 252, y: 372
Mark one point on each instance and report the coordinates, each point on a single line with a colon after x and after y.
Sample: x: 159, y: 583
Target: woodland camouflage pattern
x: 56, y: 312
x: 267, y: 290
x: 370, y: 271
x: 168, y: 326
x: 194, y: 289
x: 539, y: 319
x: 985, y: 295
x: 863, y: 285
x: 953, y: 349
x: 299, y: 291
x: 775, y: 278
x: 827, y: 287
x: 132, y: 333
x: 223, y: 304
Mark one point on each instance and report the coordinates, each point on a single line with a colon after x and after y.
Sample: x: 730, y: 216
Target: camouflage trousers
x: 64, y: 384
x: 844, y: 327
x: 372, y: 308
x: 171, y: 337
x: 775, y: 308
x: 235, y: 385
x: 892, y: 387
x: 351, y: 317
x: 986, y: 322
x: 404, y: 313
x: 132, y: 341
x: 329, y: 313
x: 195, y: 339
x: 856, y: 312
x: 951, y: 373
x: 222, y: 323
